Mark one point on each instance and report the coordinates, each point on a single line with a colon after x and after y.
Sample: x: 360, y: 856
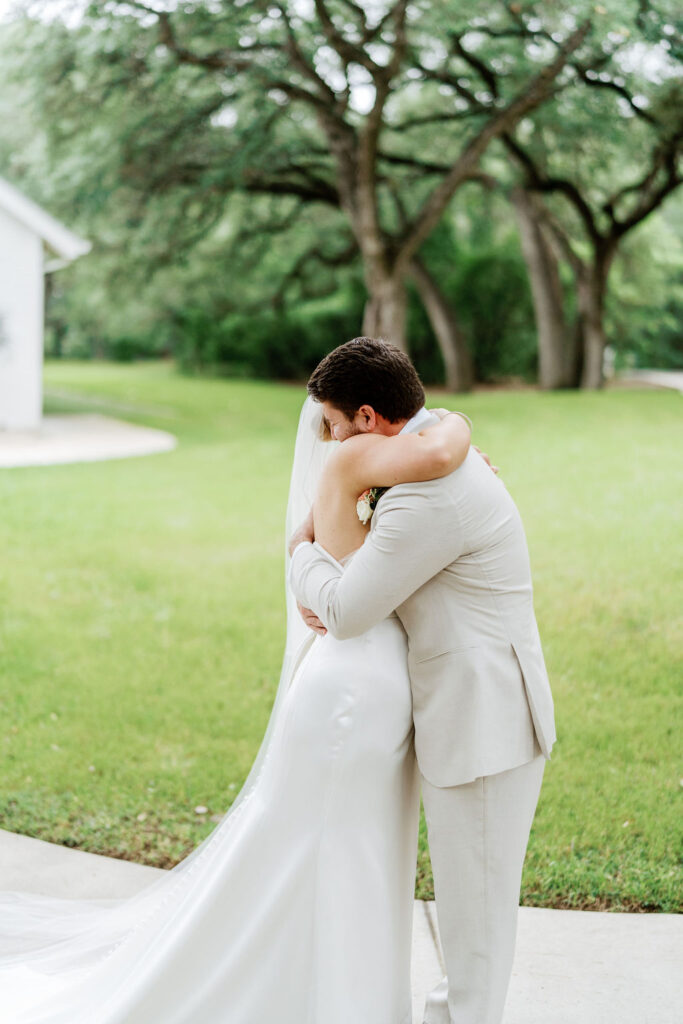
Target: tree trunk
x: 555, y: 341
x: 385, y: 310
x: 576, y: 352
x: 451, y: 340
x: 592, y: 286
x: 58, y: 330
x: 593, y: 341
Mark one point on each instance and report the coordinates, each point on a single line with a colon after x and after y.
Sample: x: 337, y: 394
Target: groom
x: 450, y: 556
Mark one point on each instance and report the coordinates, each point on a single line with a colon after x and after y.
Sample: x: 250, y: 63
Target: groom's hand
x: 311, y: 620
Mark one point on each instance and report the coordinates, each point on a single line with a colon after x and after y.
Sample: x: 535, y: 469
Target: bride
x: 297, y: 909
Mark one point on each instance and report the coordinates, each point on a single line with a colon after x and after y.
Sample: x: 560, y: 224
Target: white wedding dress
x: 297, y: 909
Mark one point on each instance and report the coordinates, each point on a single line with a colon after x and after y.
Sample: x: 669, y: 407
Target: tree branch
x: 455, y: 82
x: 369, y: 232
x: 313, y: 254
x: 541, y: 182
x: 314, y: 190
x: 426, y: 119
x: 488, y: 76
x: 664, y: 159
x: 269, y: 226
x: 596, y: 82
x: 556, y: 235
x: 656, y: 197
x: 428, y: 167
x: 299, y: 61
x: 532, y: 96
x: 217, y: 60
x: 349, y: 52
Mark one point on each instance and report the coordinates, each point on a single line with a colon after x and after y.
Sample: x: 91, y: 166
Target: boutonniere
x: 365, y: 505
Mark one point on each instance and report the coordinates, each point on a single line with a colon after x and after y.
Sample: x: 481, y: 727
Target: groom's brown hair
x: 368, y: 371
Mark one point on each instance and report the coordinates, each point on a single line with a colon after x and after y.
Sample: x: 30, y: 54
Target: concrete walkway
x: 658, y: 378
x: 571, y: 967
x: 80, y: 437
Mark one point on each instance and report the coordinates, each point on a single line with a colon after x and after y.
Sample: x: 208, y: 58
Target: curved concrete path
x: 672, y: 379
x: 571, y: 967
x: 80, y: 437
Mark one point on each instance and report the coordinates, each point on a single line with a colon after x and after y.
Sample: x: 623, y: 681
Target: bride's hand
x: 442, y: 413
x: 304, y: 533
x: 311, y: 620
x: 486, y: 459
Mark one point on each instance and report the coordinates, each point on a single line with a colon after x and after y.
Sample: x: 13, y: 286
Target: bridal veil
x: 52, y: 935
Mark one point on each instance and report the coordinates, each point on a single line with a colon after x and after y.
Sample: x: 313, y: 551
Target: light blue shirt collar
x: 421, y: 419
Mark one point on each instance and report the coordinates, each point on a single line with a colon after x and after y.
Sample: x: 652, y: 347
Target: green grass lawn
x: 142, y: 622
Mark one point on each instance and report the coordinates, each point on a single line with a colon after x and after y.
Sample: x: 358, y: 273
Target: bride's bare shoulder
x: 345, y: 459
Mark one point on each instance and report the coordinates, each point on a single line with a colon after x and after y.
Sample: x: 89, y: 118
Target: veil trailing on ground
x: 53, y: 936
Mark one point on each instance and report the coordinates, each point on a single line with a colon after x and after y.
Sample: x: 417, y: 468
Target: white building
x: 32, y: 243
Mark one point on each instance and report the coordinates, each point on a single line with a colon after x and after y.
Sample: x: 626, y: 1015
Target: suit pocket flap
x: 455, y: 649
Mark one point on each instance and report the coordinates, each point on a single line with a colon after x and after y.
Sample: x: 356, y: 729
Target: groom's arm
x: 409, y: 544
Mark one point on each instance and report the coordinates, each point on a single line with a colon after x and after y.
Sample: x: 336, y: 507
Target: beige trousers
x: 478, y: 835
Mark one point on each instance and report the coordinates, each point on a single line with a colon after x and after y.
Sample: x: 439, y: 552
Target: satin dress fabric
x: 301, y: 913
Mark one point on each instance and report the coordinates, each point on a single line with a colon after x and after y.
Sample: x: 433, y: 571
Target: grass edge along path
x: 142, y: 623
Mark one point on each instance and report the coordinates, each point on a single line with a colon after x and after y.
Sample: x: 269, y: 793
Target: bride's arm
x: 374, y: 460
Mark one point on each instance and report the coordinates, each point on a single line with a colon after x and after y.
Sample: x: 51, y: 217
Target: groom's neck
x: 388, y: 429
x: 392, y: 428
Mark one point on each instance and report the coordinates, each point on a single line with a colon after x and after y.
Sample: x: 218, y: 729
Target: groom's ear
x: 366, y: 419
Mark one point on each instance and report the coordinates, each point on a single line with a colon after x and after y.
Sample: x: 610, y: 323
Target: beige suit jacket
x: 450, y: 556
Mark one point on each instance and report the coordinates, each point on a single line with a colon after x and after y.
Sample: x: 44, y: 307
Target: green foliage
x: 495, y: 308
x: 475, y: 256
x: 286, y: 345
x: 489, y: 293
x: 421, y: 342
x: 167, y: 168
x: 126, y: 348
x: 144, y: 615
x: 645, y: 313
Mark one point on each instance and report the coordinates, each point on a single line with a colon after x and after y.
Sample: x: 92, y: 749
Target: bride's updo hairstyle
x: 368, y: 371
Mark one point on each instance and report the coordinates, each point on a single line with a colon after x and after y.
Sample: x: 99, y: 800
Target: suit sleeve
x: 407, y: 546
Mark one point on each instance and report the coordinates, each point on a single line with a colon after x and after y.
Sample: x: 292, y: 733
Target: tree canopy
x: 318, y: 147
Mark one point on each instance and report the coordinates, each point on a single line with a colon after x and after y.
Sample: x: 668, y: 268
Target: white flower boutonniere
x: 365, y: 505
